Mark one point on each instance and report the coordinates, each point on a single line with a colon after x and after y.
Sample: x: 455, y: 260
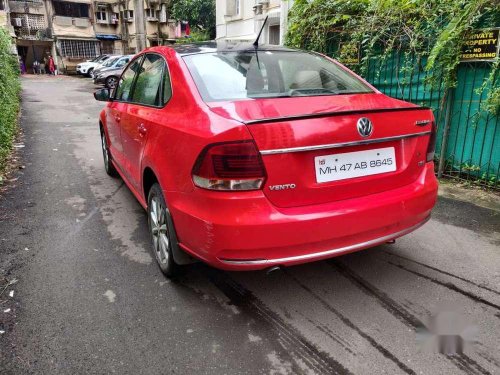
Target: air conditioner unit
x: 17, y: 22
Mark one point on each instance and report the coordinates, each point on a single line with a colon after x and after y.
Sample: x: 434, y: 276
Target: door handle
x: 142, y: 129
x: 117, y: 118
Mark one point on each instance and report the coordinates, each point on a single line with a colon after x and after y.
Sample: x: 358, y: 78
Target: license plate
x: 354, y: 164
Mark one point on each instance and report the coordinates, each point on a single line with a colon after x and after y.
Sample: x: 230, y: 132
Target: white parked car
x: 87, y: 67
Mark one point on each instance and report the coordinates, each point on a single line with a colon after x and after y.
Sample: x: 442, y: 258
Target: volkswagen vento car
x: 249, y: 158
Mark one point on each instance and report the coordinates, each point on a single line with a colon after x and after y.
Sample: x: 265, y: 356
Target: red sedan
x: 254, y: 157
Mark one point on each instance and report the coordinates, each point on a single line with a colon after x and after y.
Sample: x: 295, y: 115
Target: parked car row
x: 104, y: 69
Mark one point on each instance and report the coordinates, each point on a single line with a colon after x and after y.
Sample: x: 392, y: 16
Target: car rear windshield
x: 269, y: 74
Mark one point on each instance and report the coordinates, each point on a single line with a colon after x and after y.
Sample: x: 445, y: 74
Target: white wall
x: 246, y: 25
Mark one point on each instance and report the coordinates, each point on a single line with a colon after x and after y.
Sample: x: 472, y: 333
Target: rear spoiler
x: 330, y: 114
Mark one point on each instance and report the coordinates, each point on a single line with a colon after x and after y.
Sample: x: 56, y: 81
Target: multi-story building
x: 241, y: 20
x: 75, y: 30
x: 5, y: 17
x: 32, y: 33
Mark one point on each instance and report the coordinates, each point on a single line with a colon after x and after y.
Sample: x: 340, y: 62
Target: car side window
x: 123, y: 90
x: 147, y: 88
x: 122, y: 62
x: 167, y: 87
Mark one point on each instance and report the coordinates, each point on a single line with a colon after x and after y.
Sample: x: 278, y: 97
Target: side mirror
x: 102, y: 95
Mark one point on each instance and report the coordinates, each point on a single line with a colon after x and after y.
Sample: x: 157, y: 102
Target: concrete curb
x: 474, y: 195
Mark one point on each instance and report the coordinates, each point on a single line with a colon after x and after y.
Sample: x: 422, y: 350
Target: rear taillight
x: 229, y: 166
x: 431, y: 148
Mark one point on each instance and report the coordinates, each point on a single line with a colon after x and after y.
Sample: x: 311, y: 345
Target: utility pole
x: 140, y: 25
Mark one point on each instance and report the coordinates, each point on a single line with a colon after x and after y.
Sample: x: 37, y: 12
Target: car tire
x: 90, y: 72
x: 111, y: 82
x: 161, y: 229
x: 106, y: 155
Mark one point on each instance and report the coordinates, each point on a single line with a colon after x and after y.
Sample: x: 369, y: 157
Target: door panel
x: 146, y: 100
x: 117, y: 111
x: 113, y: 122
x: 134, y: 136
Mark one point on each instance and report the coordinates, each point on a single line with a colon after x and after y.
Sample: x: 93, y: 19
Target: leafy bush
x: 9, y: 95
x: 425, y: 30
x: 201, y: 17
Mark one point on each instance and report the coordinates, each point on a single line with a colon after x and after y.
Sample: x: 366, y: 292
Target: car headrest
x: 307, y: 79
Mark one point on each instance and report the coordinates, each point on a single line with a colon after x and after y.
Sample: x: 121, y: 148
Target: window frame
x: 132, y: 88
x: 99, y: 16
x: 73, y: 10
x: 141, y: 58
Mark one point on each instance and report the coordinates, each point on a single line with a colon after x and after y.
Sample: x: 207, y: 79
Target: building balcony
x: 70, y: 21
x: 41, y: 34
x: 28, y: 7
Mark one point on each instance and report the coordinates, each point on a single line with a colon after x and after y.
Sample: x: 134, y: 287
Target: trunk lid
x: 300, y: 137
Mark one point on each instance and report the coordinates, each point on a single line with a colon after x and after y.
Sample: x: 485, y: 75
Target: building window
x: 150, y: 14
x: 233, y: 7
x: 101, y: 16
x: 2, y: 4
x: 79, y: 48
x: 274, y: 34
x: 128, y: 15
x: 67, y: 9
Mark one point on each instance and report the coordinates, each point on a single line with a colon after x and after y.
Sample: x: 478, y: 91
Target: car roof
x: 224, y: 46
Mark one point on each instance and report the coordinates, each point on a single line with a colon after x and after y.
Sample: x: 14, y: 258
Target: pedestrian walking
x: 52, y: 67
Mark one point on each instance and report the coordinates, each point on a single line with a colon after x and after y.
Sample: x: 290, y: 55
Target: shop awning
x: 107, y: 37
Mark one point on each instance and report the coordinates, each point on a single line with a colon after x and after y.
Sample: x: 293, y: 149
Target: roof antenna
x: 256, y: 43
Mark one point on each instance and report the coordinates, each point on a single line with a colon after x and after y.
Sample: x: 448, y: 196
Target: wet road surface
x: 89, y: 298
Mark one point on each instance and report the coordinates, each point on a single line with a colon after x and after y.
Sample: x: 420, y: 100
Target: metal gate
x: 471, y: 148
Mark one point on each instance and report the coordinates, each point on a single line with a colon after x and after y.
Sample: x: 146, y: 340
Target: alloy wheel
x: 159, y: 230
x: 105, y: 152
x: 111, y: 82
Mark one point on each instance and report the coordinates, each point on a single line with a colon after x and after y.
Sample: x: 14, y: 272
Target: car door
x: 117, y: 109
x: 145, y: 105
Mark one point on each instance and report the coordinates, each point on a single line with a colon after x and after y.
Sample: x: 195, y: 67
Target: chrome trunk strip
x: 332, y: 252
x: 344, y: 144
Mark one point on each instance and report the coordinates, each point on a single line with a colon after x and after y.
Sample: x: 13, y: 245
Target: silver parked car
x: 113, y: 63
x: 109, y: 77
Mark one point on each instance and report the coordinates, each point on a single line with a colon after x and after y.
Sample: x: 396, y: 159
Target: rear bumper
x: 246, y: 232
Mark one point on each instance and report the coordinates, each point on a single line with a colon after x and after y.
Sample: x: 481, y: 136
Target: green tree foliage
x: 9, y: 95
x: 431, y: 30
x: 199, y: 13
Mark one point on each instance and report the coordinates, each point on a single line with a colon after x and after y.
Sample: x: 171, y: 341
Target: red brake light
x: 229, y: 166
x: 431, y: 148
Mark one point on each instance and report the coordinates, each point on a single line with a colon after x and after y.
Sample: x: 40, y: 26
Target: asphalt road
x: 89, y: 299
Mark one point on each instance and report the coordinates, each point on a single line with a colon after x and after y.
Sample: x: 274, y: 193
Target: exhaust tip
x: 272, y: 270
x: 391, y: 242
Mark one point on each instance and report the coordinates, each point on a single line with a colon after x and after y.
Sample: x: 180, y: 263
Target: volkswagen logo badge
x: 365, y: 127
